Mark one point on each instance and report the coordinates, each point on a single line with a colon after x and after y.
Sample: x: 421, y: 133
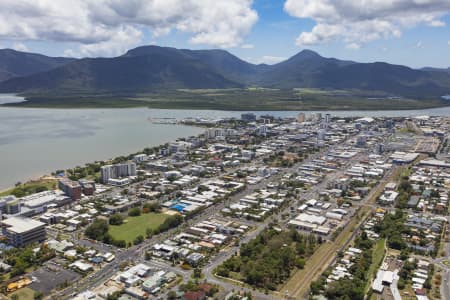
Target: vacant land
x: 236, y: 99
x: 135, y: 226
x: 377, y: 258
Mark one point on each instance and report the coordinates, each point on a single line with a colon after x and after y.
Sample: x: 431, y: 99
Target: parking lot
x: 51, y: 276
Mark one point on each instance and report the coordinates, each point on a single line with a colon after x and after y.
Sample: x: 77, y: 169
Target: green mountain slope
x: 16, y: 64
x: 153, y: 68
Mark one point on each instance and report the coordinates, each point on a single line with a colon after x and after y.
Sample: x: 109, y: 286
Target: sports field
x: 135, y: 226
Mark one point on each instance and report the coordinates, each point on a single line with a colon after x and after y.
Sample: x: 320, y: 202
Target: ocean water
x: 35, y: 142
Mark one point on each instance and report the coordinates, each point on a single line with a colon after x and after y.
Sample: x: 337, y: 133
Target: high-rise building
x: 318, y: 117
x: 327, y: 118
x: 379, y: 149
x: 321, y: 134
x: 212, y: 133
x: 361, y: 141
x: 117, y: 171
x: 248, y: 117
x: 301, y: 117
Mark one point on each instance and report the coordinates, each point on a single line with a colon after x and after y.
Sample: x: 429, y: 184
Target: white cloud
x: 437, y: 23
x: 125, y: 37
x: 20, y: 47
x: 100, y: 25
x: 359, y: 22
x: 353, y: 46
x: 270, y: 60
x: 247, y: 46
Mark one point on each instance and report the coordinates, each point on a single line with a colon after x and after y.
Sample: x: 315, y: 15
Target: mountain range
x: 154, y: 68
x: 446, y: 70
x: 17, y: 64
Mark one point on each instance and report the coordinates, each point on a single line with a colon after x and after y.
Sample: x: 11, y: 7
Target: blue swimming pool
x: 178, y: 207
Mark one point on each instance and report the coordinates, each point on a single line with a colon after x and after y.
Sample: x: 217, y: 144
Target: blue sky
x: 410, y: 32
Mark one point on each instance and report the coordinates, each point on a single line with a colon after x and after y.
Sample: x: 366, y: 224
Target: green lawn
x: 134, y: 226
x: 23, y: 294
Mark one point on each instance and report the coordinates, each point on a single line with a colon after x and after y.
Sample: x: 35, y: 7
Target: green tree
x: 134, y: 212
x: 116, y: 219
x: 97, y: 230
x: 138, y: 240
x: 38, y: 295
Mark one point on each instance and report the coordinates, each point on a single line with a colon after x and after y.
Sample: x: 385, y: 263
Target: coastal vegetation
x: 31, y: 187
x: 234, y: 99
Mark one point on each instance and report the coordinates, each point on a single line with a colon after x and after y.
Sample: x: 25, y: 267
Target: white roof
x: 21, y: 225
x: 311, y: 218
x: 388, y: 277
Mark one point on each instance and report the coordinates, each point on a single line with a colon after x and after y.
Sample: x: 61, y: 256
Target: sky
x: 415, y: 33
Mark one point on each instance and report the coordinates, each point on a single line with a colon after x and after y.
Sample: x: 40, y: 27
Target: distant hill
x: 430, y: 69
x: 16, y: 64
x: 153, y: 68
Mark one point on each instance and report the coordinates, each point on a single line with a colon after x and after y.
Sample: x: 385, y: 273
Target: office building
x: 21, y: 232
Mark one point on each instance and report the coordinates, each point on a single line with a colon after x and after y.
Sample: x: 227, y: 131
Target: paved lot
x: 50, y: 277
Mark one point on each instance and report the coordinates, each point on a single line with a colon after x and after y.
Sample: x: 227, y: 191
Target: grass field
x: 23, y: 294
x: 377, y: 257
x: 235, y: 100
x: 134, y: 226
